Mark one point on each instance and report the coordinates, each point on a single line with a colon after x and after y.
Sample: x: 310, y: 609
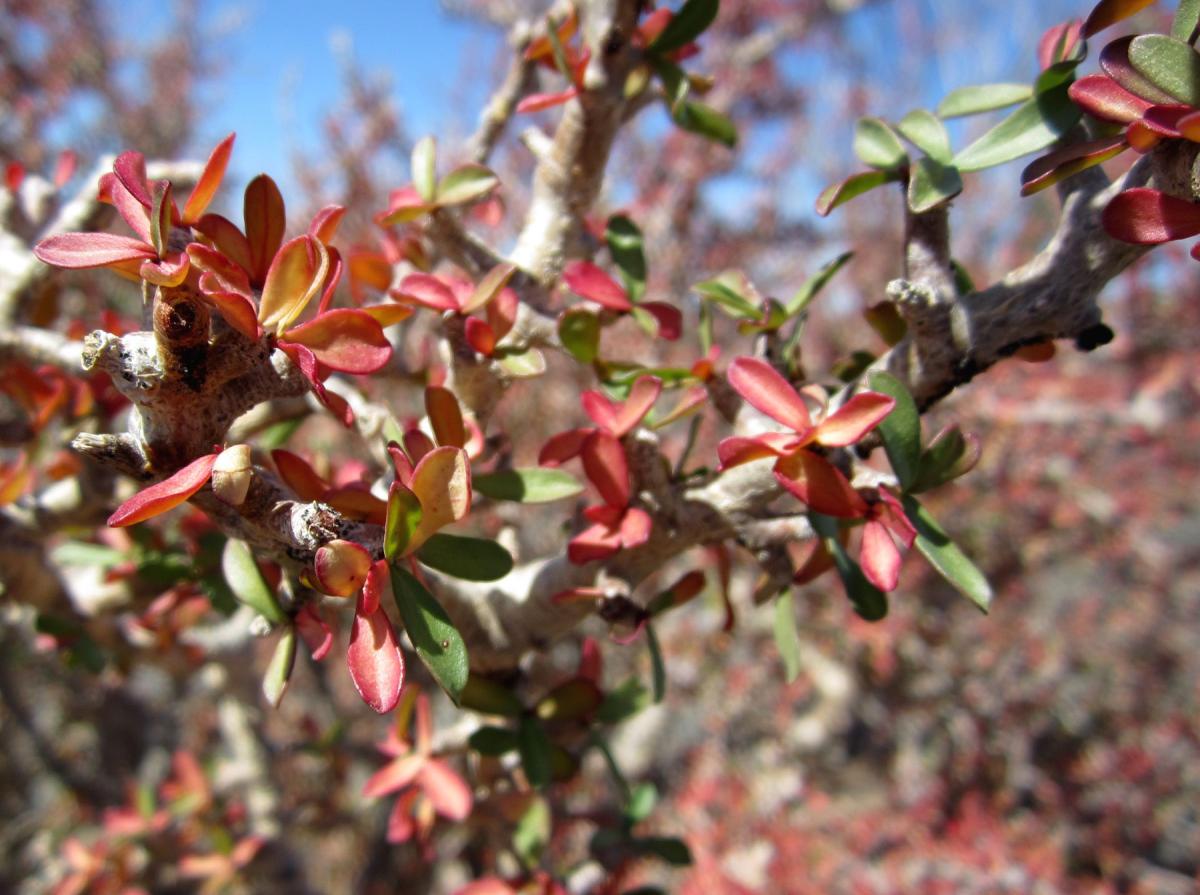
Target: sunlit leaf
x: 164, y: 495
x: 982, y: 98
x: 210, y: 178
x: 524, y: 364
x: 946, y: 557
x: 424, y: 175
x: 818, y: 484
x: 606, y: 467
x: 532, y: 485
x: 246, y: 581
x: 442, y: 483
x: 766, y: 390
x: 579, y: 331
x: 853, y: 186
x: 1114, y: 60
x: 345, y: 339
x: 1102, y: 97
x: 1034, y: 125
x: 877, y: 145
x: 296, y: 274
x: 489, y: 287
x: 587, y: 280
x: 732, y: 291
x: 374, y: 659
x: 1170, y: 64
x: 787, y: 640
x: 279, y: 670
x: 931, y: 184
x: 86, y: 250
x: 1187, y: 12
x: 265, y: 219
x: 1067, y: 161
x: 466, y: 184
x: 927, y: 133
x: 1109, y: 12
x: 445, y: 416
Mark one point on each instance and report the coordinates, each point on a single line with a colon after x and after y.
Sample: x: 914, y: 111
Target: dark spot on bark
x: 1093, y: 337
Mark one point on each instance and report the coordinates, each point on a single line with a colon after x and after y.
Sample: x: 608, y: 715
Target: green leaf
x: 877, y: 145
x: 813, y: 285
x: 1186, y: 16
x: 247, y: 583
x: 484, y: 695
x: 697, y: 118
x: 868, y: 600
x: 433, y: 635
x: 493, y: 741
x: 642, y: 800
x: 658, y: 671
x: 424, y: 175
x: 569, y: 701
x: 670, y: 849
x: 730, y: 290
x: 81, y: 553
x: 676, y: 85
x: 1169, y: 64
x: 579, y: 331
x: 901, y: 429
x: 963, y: 284
x: 931, y: 185
x: 685, y: 26
x: 535, y: 751
x: 625, y: 700
x: 471, y: 559
x: 279, y: 434
x: 532, y: 833
x: 1034, y: 125
x: 527, y: 485
x: 945, y: 556
x: 625, y: 246
x: 787, y: 640
x: 853, y: 186
x: 402, y: 521
x: 982, y: 98
x: 466, y: 184
x: 279, y: 671
x: 524, y: 364
x: 949, y: 455
x: 925, y: 131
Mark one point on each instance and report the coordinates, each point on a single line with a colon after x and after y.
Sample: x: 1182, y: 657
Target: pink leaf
x: 589, y: 281
x: 315, y: 631
x: 819, y: 484
x: 593, y: 543
x: 1058, y: 41
x: 854, y: 419
x: 635, y: 527
x: 165, y: 495
x: 450, y: 795
x: 130, y: 168
x: 879, y: 557
x: 670, y: 320
x: 426, y: 289
x: 606, y: 467
x: 1147, y: 217
x: 379, y: 582
x: 374, y: 659
x: 64, y: 170
x: 766, y: 390
x: 536, y: 102
x: 394, y: 776
x: 325, y: 223
x: 344, y: 339
x: 620, y: 419
x: 404, y: 205
x: 400, y: 825
x: 84, y: 250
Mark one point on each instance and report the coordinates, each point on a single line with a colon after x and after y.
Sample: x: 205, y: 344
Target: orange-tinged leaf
x: 299, y: 476
x: 357, y: 502
x: 1103, y: 14
x: 295, y: 276
x: 480, y: 336
x: 210, y: 179
x: 236, y: 309
x: 542, y: 47
x: 165, y: 495
x: 819, y: 484
x: 265, y: 217
x: 404, y: 205
x: 325, y: 223
x: 388, y: 314
x: 370, y: 268
x: 341, y: 567
x: 14, y: 478
x: 442, y: 483
x: 445, y: 416
x: 171, y: 271
x: 224, y: 275
x: 766, y: 390
x: 489, y: 287
x: 854, y: 419
x: 425, y: 289
x: 379, y: 582
x: 229, y: 240
x: 345, y: 339
x: 374, y: 659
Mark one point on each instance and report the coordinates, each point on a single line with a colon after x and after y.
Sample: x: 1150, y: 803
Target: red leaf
x: 670, y: 320
x: 64, y: 170
x: 605, y: 465
x: 1102, y: 97
x: 562, y: 447
x: 1062, y: 163
x: 1164, y: 119
x: 766, y: 390
x: 1105, y: 13
x: 394, y: 776
x: 341, y: 567
x: 374, y: 659
x: 1148, y: 217
x: 225, y: 275
x: 589, y: 281
x: 210, y: 179
x: 480, y: 336
x: 819, y: 484
x: 134, y: 213
x: 344, y: 339
x: 165, y: 495
x: 265, y: 217
x: 130, y: 168
x: 379, y: 582
x: 325, y: 223
x: 445, y: 416
x: 14, y: 173
x: 854, y: 419
x: 620, y: 419
x: 502, y: 312
x: 425, y: 289
x: 315, y: 631
x: 879, y: 557
x: 405, y: 204
x: 236, y: 309
x: 736, y: 450
x: 84, y: 250
x: 635, y: 527
x: 229, y: 240
x: 593, y: 543
x: 1057, y: 42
